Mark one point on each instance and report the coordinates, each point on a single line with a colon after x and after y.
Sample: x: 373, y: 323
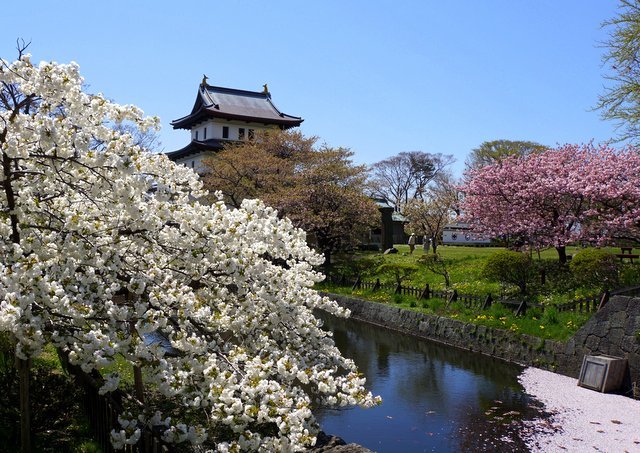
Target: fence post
x: 487, y: 302
x: 522, y: 308
x: 398, y: 289
x: 453, y: 297
x: 357, y: 284
x: 604, y: 299
x: 425, y: 292
x: 376, y: 287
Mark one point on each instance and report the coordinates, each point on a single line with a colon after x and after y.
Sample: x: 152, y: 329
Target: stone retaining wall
x: 522, y: 349
x: 614, y: 330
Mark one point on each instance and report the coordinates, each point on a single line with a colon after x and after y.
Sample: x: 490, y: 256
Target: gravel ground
x: 582, y: 420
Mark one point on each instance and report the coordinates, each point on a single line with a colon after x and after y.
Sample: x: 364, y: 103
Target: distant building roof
x: 458, y: 226
x: 383, y: 203
x: 233, y: 104
x: 397, y: 217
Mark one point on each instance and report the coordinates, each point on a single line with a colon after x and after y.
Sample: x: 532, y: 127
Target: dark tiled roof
x: 233, y: 104
x: 382, y: 203
x: 196, y: 147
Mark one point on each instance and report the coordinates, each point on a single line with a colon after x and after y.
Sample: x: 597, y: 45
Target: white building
x: 459, y: 233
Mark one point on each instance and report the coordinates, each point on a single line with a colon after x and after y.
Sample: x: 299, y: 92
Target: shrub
x: 558, y: 276
x: 365, y: 266
x: 436, y: 264
x: 398, y: 271
x: 595, y: 267
x: 509, y: 268
x: 629, y: 274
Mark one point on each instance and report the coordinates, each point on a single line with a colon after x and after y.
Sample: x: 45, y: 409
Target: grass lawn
x: 465, y: 265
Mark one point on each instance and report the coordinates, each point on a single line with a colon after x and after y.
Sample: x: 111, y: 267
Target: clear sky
x: 379, y: 77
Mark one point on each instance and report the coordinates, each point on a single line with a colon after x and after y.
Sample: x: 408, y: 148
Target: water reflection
x: 436, y: 398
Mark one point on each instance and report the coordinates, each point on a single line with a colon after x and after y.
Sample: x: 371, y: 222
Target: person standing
x: 412, y: 243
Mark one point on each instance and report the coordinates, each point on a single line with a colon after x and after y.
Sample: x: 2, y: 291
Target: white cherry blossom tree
x: 102, y: 243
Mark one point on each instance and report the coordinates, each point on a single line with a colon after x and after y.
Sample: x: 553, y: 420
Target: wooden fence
x: 102, y: 413
x: 584, y: 305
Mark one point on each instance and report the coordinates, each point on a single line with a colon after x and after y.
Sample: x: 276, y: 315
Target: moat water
x: 435, y: 398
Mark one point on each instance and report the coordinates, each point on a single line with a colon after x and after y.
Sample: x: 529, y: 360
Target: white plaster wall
x: 462, y: 237
x: 193, y: 161
x: 214, y: 129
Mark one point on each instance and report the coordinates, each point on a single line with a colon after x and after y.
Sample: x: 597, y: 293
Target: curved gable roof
x: 234, y: 104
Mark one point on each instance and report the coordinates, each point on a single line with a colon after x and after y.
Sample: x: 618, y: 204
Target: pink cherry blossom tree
x: 574, y: 192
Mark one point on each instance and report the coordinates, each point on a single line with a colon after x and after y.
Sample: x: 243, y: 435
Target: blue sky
x: 377, y: 77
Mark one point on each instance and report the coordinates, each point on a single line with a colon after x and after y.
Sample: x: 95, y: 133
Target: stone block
x: 592, y: 343
x: 570, y: 347
x: 600, y: 329
x: 616, y: 335
x: 630, y: 344
x: 618, y: 318
x: 632, y: 325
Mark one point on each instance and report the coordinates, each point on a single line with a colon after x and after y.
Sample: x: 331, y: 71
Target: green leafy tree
x: 620, y: 101
x: 495, y: 151
x: 318, y: 188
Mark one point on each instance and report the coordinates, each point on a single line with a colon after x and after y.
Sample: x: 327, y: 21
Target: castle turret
x: 222, y: 115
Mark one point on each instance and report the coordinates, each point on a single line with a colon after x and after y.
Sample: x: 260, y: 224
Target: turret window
x: 196, y: 135
x: 251, y: 134
x: 225, y: 131
x: 241, y: 133
x: 205, y: 134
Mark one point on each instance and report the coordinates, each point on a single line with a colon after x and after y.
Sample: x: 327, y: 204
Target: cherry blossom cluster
x: 103, y: 243
x: 552, y: 198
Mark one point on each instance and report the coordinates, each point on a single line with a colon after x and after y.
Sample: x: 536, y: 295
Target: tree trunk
x: 138, y: 384
x: 562, y: 254
x: 434, y: 245
x: 327, y: 258
x: 137, y: 371
x: 24, y: 371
